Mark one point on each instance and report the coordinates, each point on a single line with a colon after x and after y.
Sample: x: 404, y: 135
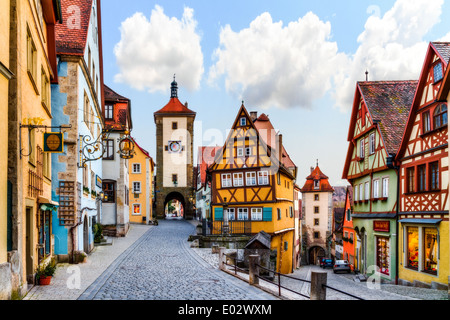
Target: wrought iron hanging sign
x: 54, y: 142
x: 92, y: 150
x: 126, y: 146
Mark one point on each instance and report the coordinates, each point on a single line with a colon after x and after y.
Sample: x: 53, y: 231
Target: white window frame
x: 140, y: 211
x: 361, y: 192
x: 138, y: 165
x: 256, y: 214
x: 250, y: 177
x: 226, y: 180
x: 137, y: 190
x: 242, y: 213
x: 385, y: 187
x: 231, y: 214
x: 238, y: 181
x: 356, y: 192
x: 263, y: 177
x: 366, y: 190
x: 240, y: 152
x: 376, y: 188
x: 372, y: 143
x: 243, y: 121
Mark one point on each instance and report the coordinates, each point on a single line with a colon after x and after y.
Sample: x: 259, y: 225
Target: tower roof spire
x: 174, y: 88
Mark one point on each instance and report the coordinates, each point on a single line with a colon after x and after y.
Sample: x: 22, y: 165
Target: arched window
x: 440, y: 116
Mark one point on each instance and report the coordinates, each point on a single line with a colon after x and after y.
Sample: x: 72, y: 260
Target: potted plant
x: 44, y: 273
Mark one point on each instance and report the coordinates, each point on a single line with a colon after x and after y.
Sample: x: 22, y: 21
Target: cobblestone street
x: 159, y: 265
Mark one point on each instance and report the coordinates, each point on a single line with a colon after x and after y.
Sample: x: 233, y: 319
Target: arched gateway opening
x: 174, y: 206
x: 315, y: 255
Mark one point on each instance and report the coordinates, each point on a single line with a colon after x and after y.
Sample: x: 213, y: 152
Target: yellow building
x: 141, y: 186
x: 253, y: 185
x: 5, y: 76
x: 33, y: 62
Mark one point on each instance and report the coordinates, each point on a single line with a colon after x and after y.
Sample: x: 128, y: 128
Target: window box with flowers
x: 93, y: 194
x: 86, y: 191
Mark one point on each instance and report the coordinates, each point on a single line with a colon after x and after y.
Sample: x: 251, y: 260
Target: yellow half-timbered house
x: 252, y: 181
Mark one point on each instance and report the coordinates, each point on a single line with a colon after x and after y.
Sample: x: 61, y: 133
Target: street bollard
x: 214, y: 249
x: 318, y: 291
x: 253, y: 261
x: 222, y: 258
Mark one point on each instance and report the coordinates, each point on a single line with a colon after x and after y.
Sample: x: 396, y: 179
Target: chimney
x: 280, y: 147
x: 253, y: 115
x: 186, y: 104
x: 312, y: 169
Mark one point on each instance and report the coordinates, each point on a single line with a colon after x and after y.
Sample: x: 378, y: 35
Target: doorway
x: 86, y: 235
x: 29, y: 244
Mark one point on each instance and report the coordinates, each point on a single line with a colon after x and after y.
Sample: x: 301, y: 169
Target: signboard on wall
x: 383, y: 226
x: 98, y: 181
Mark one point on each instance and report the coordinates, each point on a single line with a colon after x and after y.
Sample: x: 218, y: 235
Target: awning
x: 47, y: 204
x: 422, y: 221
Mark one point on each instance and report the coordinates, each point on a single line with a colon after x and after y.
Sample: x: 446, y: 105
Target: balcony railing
x: 234, y: 227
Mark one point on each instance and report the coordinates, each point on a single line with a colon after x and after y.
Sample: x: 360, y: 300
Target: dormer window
x: 109, y: 112
x: 243, y: 121
x: 316, y: 184
x: 438, y: 72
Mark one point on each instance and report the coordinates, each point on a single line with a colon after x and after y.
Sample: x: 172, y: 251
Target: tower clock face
x: 175, y: 146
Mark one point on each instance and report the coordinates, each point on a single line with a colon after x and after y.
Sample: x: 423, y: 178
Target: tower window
x: 174, y: 125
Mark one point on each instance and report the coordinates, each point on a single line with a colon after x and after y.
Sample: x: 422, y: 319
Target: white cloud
x: 392, y: 47
x: 269, y: 64
x: 151, y: 51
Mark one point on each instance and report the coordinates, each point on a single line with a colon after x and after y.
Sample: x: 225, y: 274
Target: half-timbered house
x: 253, y: 184
x: 423, y: 160
x: 379, y: 115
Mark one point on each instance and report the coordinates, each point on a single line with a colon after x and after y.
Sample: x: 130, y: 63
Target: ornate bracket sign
x: 91, y: 150
x: 54, y: 142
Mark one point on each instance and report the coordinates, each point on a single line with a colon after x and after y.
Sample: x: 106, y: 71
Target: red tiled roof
x: 71, y: 40
x: 317, y: 174
x: 389, y: 104
x: 443, y: 49
x: 175, y: 106
x: 111, y: 95
x: 267, y: 133
x: 205, y: 158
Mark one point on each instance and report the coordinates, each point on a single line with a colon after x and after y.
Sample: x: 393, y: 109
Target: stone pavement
x: 151, y: 263
x: 98, y: 261
x: 343, y: 282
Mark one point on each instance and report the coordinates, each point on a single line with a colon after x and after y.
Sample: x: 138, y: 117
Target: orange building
x: 348, y: 232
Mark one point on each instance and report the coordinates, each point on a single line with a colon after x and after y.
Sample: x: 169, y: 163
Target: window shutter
x: 218, y: 214
x: 267, y: 214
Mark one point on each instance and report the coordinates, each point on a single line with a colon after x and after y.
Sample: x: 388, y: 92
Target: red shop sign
x: 383, y: 226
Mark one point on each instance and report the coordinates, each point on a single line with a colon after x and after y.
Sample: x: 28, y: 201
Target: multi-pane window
x: 367, y: 191
x: 250, y: 178
x: 385, y: 187
x: 316, y: 222
x: 109, y: 112
x: 226, y: 180
x: 316, y: 235
x: 263, y: 177
x: 410, y: 185
x: 240, y: 152
x: 434, y: 175
x: 376, y: 186
x: 136, y: 209
x: 316, y: 197
x: 243, y: 121
x: 316, y: 184
x: 242, y: 213
x: 231, y: 214
x: 108, y: 145
x: 422, y: 177
x: 174, y: 125
x: 136, y: 168
x: 316, y: 209
x: 440, y: 116
x: 248, y: 151
x: 438, y: 72
x: 426, y: 121
x: 238, y: 179
x: 31, y: 56
x: 361, y: 149
x: 256, y: 214
x: 372, y: 143
x: 45, y: 89
x: 109, y: 192
x: 136, y: 187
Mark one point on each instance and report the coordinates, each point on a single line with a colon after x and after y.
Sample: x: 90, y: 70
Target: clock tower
x: 174, y: 155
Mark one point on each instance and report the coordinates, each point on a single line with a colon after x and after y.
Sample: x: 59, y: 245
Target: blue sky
x: 297, y: 61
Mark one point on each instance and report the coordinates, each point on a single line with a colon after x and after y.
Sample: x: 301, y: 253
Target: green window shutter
x: 218, y: 214
x: 267, y: 214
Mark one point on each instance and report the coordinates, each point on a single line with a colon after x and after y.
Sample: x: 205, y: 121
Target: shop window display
x: 413, y: 248
x: 383, y: 254
x: 430, y: 250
